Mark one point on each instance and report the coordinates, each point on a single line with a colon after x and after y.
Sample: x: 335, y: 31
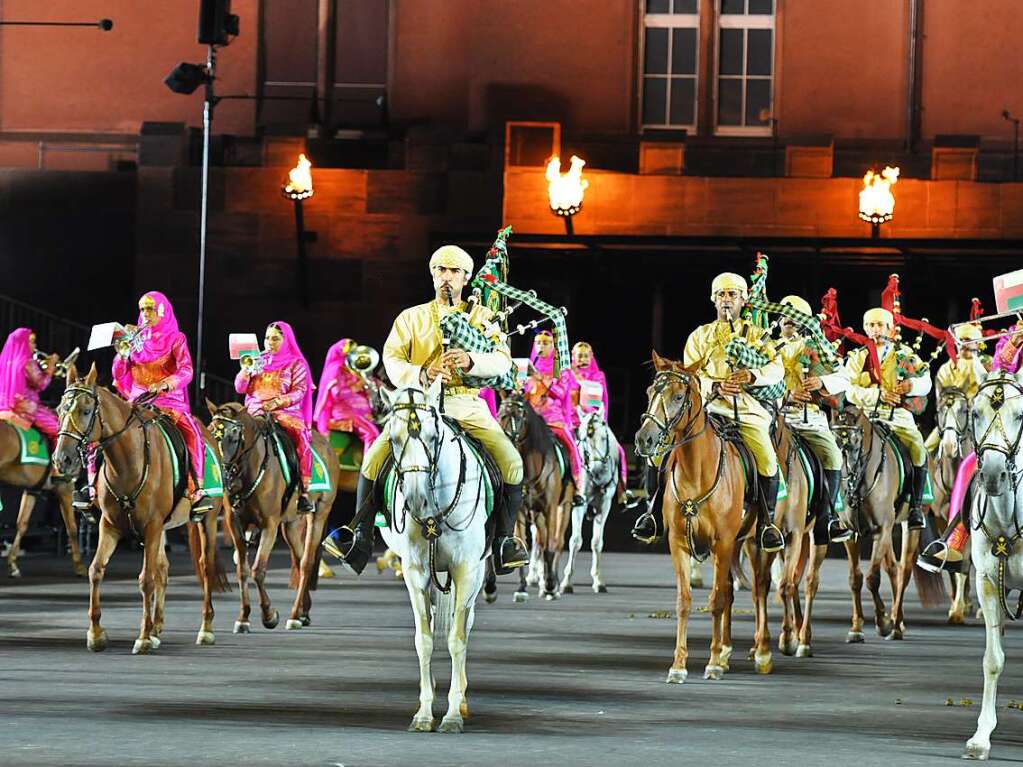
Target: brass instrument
x: 131, y: 340
x: 1015, y: 315
x: 42, y: 359
x: 363, y: 360
x: 252, y: 364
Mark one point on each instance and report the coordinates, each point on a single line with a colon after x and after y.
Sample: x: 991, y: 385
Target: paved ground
x: 579, y: 681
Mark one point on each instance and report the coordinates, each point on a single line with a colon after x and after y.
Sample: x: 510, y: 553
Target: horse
x: 437, y: 524
x: 33, y: 479
x: 257, y: 497
x: 598, y: 448
x: 997, y: 530
x: 702, y: 510
x: 870, y: 478
x: 135, y: 492
x: 546, y: 494
x: 953, y: 425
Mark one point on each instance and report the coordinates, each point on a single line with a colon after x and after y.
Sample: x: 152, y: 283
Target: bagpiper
x: 414, y: 356
x: 965, y: 373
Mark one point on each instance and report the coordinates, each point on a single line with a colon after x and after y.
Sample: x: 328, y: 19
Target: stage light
x: 877, y: 203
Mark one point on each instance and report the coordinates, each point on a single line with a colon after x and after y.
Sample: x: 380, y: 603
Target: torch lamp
x: 298, y: 188
x: 565, y: 192
x: 877, y: 203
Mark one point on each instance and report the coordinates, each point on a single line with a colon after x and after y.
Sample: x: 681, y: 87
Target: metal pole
x: 569, y: 229
x: 303, y: 262
x: 207, y: 127
x: 1015, y: 150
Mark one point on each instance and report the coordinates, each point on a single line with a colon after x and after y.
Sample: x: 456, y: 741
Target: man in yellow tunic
x: 966, y: 374
x: 414, y: 356
x: 804, y: 415
x: 903, y: 374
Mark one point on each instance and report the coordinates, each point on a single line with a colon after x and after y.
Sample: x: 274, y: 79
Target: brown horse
x: 546, y: 495
x: 135, y: 491
x: 34, y: 478
x: 870, y: 478
x: 256, y: 488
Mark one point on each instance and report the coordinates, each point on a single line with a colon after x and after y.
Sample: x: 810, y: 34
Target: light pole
x: 565, y: 192
x: 297, y: 188
x: 1015, y: 142
x: 877, y: 203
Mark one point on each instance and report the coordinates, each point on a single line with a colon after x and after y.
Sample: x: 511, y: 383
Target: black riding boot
x: 828, y: 524
x: 361, y: 548
x: 645, y: 530
x: 81, y: 498
x: 916, y: 504
x: 305, y: 506
x: 768, y: 535
x: 509, y: 551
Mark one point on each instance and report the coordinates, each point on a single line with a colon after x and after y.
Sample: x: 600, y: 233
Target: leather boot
x: 916, y: 505
x: 645, y: 530
x: 768, y: 535
x: 509, y: 552
x: 836, y: 531
x: 361, y: 548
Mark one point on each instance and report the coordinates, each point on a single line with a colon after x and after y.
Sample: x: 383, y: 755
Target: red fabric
x: 300, y: 436
x: 833, y: 330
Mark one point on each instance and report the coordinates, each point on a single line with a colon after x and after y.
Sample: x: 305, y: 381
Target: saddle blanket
x: 319, y: 482
x: 213, y: 480
x: 348, y: 449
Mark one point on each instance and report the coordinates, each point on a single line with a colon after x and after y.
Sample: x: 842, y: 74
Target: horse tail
x: 215, y: 573
x: 929, y: 587
x: 739, y: 574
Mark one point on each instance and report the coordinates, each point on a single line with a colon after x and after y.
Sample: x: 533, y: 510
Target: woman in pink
x: 342, y: 403
x: 22, y: 380
x: 585, y: 368
x: 282, y: 386
x: 551, y: 399
x: 154, y: 359
x: 948, y: 552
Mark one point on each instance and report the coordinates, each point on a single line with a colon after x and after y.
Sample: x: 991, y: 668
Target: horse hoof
x: 751, y: 654
x: 81, y: 570
x: 600, y: 589
x: 291, y: 625
x: 956, y: 620
x: 855, y: 637
x: 804, y: 651
x: 787, y: 648
x: 154, y: 640
x: 713, y: 672
x: 96, y: 643
x: 764, y: 663
x: 520, y: 596
x: 15, y: 572
x: 272, y: 621
x: 451, y: 725
x: 421, y: 725
x: 141, y: 647
x: 490, y: 598
x: 677, y: 676
x: 242, y: 627
x: 550, y: 596
x: 568, y: 589
x: 884, y: 629
x: 895, y: 636
x: 205, y: 638
x: 305, y: 620
x: 725, y: 656
x: 977, y: 751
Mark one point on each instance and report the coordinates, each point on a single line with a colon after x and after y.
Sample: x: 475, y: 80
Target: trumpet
x: 43, y: 360
x: 253, y: 364
x: 363, y: 360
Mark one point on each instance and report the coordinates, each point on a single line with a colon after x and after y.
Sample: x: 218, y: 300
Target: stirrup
x: 766, y: 530
x: 844, y: 533
x: 632, y: 500
x: 201, y: 505
x: 638, y: 534
x: 305, y: 505
x: 934, y: 562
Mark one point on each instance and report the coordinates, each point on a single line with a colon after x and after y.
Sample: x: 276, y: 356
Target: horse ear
x: 386, y: 397
x: 72, y: 374
x: 433, y: 393
x: 211, y: 407
x: 91, y: 376
x: 659, y: 362
x: 580, y: 412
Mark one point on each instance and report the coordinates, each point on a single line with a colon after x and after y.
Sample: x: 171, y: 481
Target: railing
x: 113, y: 151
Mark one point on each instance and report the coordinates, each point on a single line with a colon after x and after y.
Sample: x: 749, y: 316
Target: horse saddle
x: 179, y: 452
x: 288, y: 456
x: 903, y: 459
x: 813, y: 470
x: 728, y: 430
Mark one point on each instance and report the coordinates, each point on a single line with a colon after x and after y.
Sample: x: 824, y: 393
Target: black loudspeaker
x: 216, y: 22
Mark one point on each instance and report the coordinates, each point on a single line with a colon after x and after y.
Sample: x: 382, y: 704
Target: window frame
x: 669, y: 21
x: 745, y: 22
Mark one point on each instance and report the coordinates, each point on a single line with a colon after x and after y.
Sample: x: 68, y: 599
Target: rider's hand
x: 122, y: 348
x: 159, y: 388
x: 890, y: 397
x: 740, y: 377
x: 728, y: 389
x: 270, y: 405
x: 801, y: 395
x: 904, y: 386
x: 437, y: 369
x: 813, y: 383
x: 456, y: 359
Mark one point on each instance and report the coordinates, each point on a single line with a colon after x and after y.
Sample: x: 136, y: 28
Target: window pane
x: 733, y: 6
x: 758, y: 52
x: 656, y: 52
x: 758, y: 97
x: 657, y: 6
x: 683, y: 96
x: 686, y: 6
x: 761, y: 6
x: 729, y: 101
x: 655, y: 100
x: 731, y: 52
x: 683, y: 51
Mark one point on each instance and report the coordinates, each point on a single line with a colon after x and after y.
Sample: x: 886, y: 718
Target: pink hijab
x: 591, y: 372
x: 15, y: 356
x: 332, y: 368
x: 285, y: 356
x: 158, y: 340
x: 544, y: 365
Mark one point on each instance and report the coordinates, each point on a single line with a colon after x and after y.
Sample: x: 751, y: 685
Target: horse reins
x: 234, y: 466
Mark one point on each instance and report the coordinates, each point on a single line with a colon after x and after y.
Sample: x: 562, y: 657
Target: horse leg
x: 813, y: 581
x: 306, y: 551
x: 241, y: 562
x: 957, y: 610
x: 463, y: 581
x: 979, y: 746
x: 162, y: 573
x: 28, y: 502
x: 684, y: 601
x: 597, y: 548
x: 152, y: 541
x: 96, y: 637
x: 417, y: 581
x: 881, y: 557
x: 852, y: 552
x: 719, y: 602
x: 575, y: 543
x: 904, y: 573
x: 761, y: 652
x: 490, y: 581
x: 207, y: 560
x: 67, y: 513
x: 266, y: 545
x: 788, y: 589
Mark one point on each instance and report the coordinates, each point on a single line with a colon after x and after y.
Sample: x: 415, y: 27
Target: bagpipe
x: 491, y: 290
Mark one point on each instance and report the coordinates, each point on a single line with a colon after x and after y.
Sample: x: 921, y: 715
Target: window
x: 670, y: 41
x: 745, y: 67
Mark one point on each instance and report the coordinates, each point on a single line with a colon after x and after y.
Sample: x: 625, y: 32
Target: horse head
x: 80, y: 423
x: 229, y: 426
x: 953, y: 421
x: 513, y: 415
x: 597, y: 447
x: 671, y: 398
x: 416, y: 431
x: 997, y: 418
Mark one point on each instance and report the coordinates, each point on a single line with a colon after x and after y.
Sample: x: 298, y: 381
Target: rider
x: 414, y: 356
x: 804, y: 416
x: 903, y: 374
x: 22, y: 380
x: 724, y: 391
x: 549, y: 396
x: 966, y: 373
x: 154, y: 359
x: 947, y: 553
x: 585, y: 368
x: 342, y: 403
x: 282, y: 387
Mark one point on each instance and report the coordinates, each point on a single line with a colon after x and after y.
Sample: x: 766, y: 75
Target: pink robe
x: 344, y: 405
x: 550, y: 398
x: 290, y: 385
x: 22, y: 381
x: 594, y: 373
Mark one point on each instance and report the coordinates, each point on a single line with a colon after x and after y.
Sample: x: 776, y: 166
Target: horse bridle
x: 516, y: 419
x: 948, y: 398
x: 600, y: 458
x: 668, y: 426
x: 233, y: 466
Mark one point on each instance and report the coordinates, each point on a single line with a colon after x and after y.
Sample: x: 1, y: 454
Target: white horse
x: 996, y: 520
x: 601, y: 460
x: 437, y: 527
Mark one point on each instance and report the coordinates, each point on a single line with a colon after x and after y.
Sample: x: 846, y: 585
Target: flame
x: 877, y: 203
x: 566, y: 191
x: 300, y: 180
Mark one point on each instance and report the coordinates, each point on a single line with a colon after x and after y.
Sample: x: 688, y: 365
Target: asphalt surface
x: 576, y: 681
